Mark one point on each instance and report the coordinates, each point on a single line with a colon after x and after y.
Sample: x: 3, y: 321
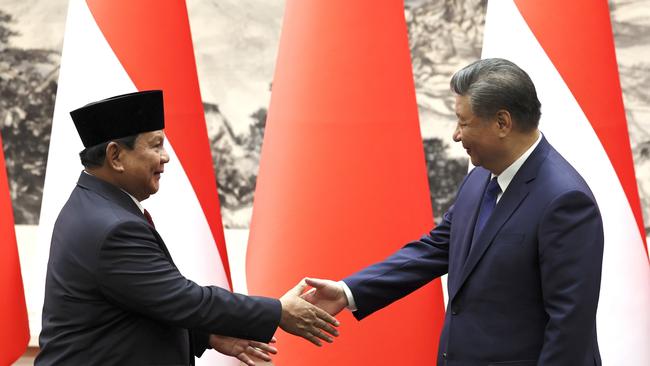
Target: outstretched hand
x: 326, y: 294
x: 242, y: 349
x: 303, y: 319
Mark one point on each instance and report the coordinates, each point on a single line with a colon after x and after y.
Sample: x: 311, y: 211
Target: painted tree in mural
x: 444, y: 36
x: 235, y: 158
x: 27, y: 91
x: 444, y: 175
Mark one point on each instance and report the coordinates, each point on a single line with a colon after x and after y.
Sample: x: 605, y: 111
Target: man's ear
x: 113, y: 156
x: 504, y: 122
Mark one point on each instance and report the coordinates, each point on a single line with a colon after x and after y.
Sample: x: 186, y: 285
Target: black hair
x: 94, y: 156
x: 493, y: 84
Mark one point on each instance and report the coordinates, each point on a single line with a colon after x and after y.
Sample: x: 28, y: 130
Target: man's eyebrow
x: 157, y: 139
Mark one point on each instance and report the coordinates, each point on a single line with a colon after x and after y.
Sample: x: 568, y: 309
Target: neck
x: 108, y: 177
x: 517, y: 145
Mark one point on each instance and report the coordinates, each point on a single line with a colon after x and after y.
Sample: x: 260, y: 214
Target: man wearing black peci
x: 113, y: 295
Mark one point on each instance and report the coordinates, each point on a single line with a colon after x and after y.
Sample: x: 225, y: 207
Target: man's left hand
x: 243, y: 349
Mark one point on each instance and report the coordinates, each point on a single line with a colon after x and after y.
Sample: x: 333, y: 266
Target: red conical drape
x: 14, y: 326
x: 342, y: 181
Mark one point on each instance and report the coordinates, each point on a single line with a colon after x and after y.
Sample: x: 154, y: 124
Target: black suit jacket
x: 113, y: 295
x: 526, y: 292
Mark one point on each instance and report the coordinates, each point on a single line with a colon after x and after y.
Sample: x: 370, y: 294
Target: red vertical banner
x: 152, y: 41
x: 342, y: 180
x: 14, y: 327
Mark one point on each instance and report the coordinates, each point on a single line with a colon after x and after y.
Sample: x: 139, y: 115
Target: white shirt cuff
x: 352, y: 306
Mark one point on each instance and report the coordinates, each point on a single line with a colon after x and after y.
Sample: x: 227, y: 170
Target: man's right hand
x: 327, y: 295
x: 303, y: 319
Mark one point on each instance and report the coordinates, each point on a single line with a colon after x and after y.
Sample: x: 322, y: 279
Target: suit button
x: 444, y: 355
x: 454, y: 310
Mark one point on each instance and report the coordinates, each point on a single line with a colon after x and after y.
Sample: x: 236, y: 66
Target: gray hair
x: 493, y: 84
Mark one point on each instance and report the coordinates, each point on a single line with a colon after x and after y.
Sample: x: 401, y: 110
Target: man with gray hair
x: 522, y: 243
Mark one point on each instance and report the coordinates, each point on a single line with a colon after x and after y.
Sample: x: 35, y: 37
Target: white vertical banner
x: 567, y: 49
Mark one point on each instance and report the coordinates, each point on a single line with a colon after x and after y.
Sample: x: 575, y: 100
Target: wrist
x: 347, y: 294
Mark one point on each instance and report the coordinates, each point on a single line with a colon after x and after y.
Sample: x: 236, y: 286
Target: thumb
x: 316, y: 282
x: 299, y: 288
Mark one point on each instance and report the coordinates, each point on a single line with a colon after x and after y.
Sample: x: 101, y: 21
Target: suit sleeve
x: 134, y: 273
x: 200, y: 342
x: 570, y: 254
x: 405, y: 271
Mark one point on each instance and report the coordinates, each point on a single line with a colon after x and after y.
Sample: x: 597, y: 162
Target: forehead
x: 152, y: 136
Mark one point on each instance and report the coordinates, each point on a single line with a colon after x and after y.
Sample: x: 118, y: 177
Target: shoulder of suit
x: 96, y: 211
x: 558, y: 176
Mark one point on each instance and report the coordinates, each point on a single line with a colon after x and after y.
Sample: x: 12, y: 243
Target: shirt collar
x: 135, y: 200
x: 508, y: 174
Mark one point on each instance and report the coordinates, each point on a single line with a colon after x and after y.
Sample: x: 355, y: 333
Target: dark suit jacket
x: 113, y: 295
x: 527, y: 292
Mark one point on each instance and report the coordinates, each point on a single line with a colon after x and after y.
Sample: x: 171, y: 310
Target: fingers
x: 324, y: 336
x: 328, y: 328
x: 324, y: 315
x: 310, y: 295
x: 313, y: 339
x: 245, y: 359
x: 301, y: 318
x: 255, y: 352
x: 264, y: 347
x: 299, y: 288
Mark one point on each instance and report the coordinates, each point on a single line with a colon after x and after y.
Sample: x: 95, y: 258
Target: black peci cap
x: 119, y: 116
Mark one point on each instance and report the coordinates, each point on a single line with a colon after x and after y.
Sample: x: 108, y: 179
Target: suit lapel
x: 466, y: 212
x: 511, y: 199
x: 114, y: 194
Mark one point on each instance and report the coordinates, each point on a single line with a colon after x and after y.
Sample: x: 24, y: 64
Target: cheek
x: 469, y: 136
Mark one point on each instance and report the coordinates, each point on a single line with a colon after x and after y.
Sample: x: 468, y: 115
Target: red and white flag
x: 119, y: 46
x: 342, y: 180
x: 14, y: 327
x: 567, y: 48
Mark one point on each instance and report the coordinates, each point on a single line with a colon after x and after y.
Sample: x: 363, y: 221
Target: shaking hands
x: 309, y: 315
x: 306, y: 320
x: 326, y: 294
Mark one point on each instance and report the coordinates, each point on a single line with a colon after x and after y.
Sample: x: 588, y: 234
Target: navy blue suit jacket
x: 113, y: 295
x: 527, y: 291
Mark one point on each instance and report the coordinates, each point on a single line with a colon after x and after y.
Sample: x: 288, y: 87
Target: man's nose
x: 164, y: 157
x: 456, y: 134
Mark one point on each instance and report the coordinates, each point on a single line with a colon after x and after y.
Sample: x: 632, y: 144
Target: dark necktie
x: 148, y: 217
x: 487, y: 205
